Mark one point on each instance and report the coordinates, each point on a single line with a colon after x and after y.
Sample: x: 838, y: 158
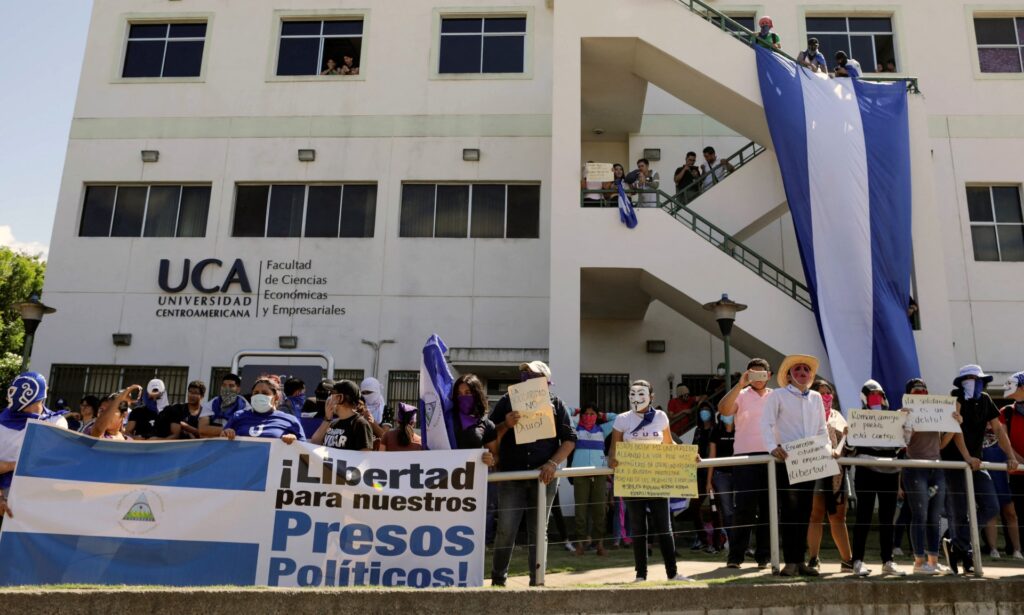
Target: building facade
x: 335, y: 173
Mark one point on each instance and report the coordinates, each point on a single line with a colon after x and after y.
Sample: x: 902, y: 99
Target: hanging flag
x: 626, y: 213
x: 843, y: 147
x: 437, y: 429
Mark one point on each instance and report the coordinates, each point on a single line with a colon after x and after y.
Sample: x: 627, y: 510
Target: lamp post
x: 725, y: 310
x: 32, y: 312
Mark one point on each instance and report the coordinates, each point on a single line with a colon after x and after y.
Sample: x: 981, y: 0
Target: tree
x: 21, y: 276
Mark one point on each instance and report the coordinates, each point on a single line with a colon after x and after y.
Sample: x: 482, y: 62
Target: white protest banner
x: 879, y: 428
x: 809, y: 459
x: 931, y: 413
x: 599, y: 172
x: 537, y: 416
x: 248, y: 512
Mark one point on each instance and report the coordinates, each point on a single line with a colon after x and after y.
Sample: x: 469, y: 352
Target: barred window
x: 609, y: 391
x: 72, y: 382
x: 404, y: 387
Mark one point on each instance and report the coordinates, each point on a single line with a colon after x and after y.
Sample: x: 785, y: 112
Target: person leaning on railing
x: 1012, y: 417
x: 830, y: 492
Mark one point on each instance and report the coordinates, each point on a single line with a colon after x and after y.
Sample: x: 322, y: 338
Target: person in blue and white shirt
x: 216, y: 412
x: 591, y: 492
x: 265, y: 420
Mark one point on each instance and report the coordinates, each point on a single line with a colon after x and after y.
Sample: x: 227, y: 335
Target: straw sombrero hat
x: 796, y: 359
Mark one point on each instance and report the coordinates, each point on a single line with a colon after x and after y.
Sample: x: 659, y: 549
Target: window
x: 482, y: 45
x: 299, y: 210
x: 164, y: 50
x: 478, y: 211
x: 145, y: 211
x: 869, y: 40
x: 72, y: 382
x: 609, y: 391
x: 1000, y: 44
x: 403, y: 386
x: 997, y: 226
x: 326, y: 48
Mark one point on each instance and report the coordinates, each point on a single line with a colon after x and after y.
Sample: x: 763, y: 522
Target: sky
x: 41, y: 50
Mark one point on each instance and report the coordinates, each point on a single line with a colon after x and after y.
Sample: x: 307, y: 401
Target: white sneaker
x: 681, y: 577
x: 860, y: 570
x: 890, y: 567
x: 569, y: 547
x: 897, y: 552
x: 639, y: 579
x: 1018, y: 555
x: 942, y: 568
x: 926, y: 569
x: 994, y: 554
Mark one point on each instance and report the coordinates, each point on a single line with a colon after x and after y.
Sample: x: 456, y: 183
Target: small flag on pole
x: 626, y: 213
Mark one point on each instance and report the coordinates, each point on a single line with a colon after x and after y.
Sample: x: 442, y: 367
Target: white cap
x: 156, y: 386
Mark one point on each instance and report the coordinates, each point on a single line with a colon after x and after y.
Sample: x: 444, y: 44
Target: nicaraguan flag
x: 626, y: 213
x: 844, y: 151
x: 437, y: 428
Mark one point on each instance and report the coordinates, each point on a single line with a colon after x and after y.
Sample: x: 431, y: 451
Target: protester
x: 473, y: 430
x: 343, y: 426
x: 265, y: 420
x: 846, y: 67
x: 611, y: 188
x: 977, y: 410
x: 110, y: 423
x: 990, y: 452
x: 812, y: 58
x: 711, y: 173
x: 591, y: 492
x: 766, y: 36
x: 403, y: 437
x: 1010, y: 416
x: 644, y: 424
x: 294, y: 397
x: 687, y: 178
x: 872, y: 483
x: 720, y: 482
x: 645, y: 179
x: 375, y: 402
x: 830, y: 493
x: 791, y: 413
x: 142, y: 419
x: 680, y: 410
x: 746, y: 402
x: 704, y: 536
x: 217, y: 411
x: 88, y: 409
x: 314, y: 408
x: 181, y: 421
x: 518, y: 498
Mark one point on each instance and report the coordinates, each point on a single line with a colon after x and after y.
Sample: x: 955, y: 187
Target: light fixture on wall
x: 307, y: 155
x: 598, y: 131
x: 655, y: 346
x: 653, y: 153
x: 150, y: 155
x: 288, y: 342
x: 471, y: 155
x: 122, y: 339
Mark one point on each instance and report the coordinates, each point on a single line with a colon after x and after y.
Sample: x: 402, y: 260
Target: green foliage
x: 10, y: 363
x: 20, y: 277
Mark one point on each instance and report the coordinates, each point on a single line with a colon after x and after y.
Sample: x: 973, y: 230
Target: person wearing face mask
x: 218, y: 410
x: 142, y: 419
x: 703, y: 537
x: 402, y: 438
x: 977, y: 412
x: 294, y: 397
x: 265, y: 420
x: 794, y: 412
x: 591, y: 491
x: 720, y: 480
x: 375, y: 402
x: 519, y: 498
x: 871, y: 484
x: 474, y: 430
x: 344, y: 427
x: 830, y: 493
x: 1012, y: 418
x: 645, y: 424
x: 765, y: 36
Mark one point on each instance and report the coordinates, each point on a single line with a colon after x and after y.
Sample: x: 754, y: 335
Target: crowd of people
x: 751, y: 418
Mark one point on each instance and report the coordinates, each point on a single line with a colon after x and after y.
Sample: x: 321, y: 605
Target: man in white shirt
x: 714, y: 170
x: 793, y: 412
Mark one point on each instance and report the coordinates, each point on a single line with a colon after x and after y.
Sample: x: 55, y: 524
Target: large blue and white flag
x: 437, y: 426
x: 626, y: 213
x: 843, y: 147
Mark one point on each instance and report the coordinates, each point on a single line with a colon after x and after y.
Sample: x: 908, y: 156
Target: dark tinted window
x: 358, y: 210
x: 250, y: 211
x: 523, y: 217
x: 323, y: 211
x: 97, y: 211
x: 164, y: 50
x: 488, y: 218
x: 306, y: 47
x: 149, y: 211
x: 129, y: 209
x: 162, y: 211
x: 285, y: 217
x: 298, y: 210
x: 482, y: 45
x: 417, y: 217
x: 195, y: 206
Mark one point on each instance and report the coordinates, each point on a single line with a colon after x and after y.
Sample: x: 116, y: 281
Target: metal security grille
x: 72, y: 382
x: 355, y: 375
x: 403, y: 386
x: 609, y: 391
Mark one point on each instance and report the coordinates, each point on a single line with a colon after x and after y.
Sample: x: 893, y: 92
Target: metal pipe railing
x: 773, y: 513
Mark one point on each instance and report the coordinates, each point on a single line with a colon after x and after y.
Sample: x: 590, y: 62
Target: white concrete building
x: 436, y: 189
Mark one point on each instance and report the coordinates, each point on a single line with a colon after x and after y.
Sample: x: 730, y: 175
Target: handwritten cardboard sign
x: 655, y: 470
x: 537, y: 416
x: 599, y: 172
x: 880, y: 428
x: 809, y: 459
x: 931, y: 413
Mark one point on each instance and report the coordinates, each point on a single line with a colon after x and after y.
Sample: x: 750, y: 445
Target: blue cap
x: 26, y: 390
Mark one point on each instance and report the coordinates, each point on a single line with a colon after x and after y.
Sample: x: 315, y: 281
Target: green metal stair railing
x: 740, y: 32
x: 738, y: 159
x: 765, y: 269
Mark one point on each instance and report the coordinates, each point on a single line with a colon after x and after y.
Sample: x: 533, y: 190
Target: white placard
x: 599, y: 172
x: 532, y: 400
x: 931, y: 413
x: 809, y: 459
x: 880, y: 428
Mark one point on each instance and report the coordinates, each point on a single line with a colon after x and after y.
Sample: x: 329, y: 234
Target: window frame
x: 994, y: 224
x: 145, y: 211
x: 972, y: 12
x: 893, y: 12
x: 520, y: 12
x: 305, y: 207
x: 469, y: 215
x: 282, y: 15
x: 130, y: 19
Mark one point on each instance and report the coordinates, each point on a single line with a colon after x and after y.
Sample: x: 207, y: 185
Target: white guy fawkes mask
x: 639, y: 398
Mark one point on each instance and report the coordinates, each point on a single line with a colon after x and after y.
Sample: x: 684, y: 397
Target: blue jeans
x: 726, y: 496
x: 956, y: 505
x: 515, y: 499
x: 925, y: 509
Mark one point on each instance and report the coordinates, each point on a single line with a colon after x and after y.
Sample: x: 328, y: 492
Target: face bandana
x: 826, y: 400
x: 875, y: 401
x: 466, y: 406
x: 588, y: 421
x: 228, y: 396
x: 298, y: 400
x: 971, y: 389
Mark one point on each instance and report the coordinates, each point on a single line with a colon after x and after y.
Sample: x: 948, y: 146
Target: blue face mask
x: 705, y: 415
x: 298, y: 400
x: 728, y: 419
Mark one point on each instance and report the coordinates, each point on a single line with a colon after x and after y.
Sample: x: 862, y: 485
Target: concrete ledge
x: 909, y: 597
